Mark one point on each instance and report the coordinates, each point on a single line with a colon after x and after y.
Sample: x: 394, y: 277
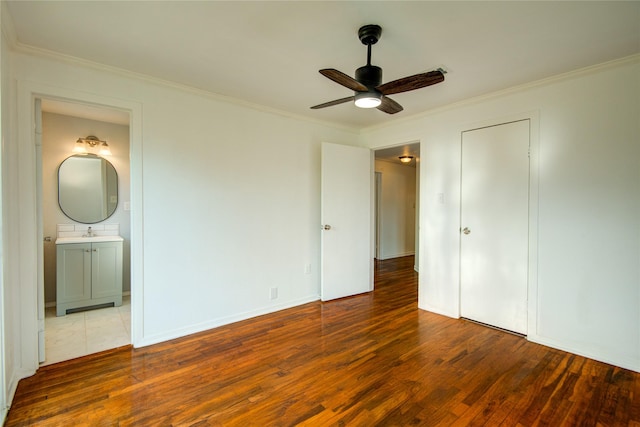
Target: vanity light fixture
x: 92, y: 144
x: 406, y: 159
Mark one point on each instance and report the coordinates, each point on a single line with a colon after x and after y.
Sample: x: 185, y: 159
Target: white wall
x: 397, y: 209
x: 225, y: 202
x: 59, y: 133
x: 585, y: 278
x: 4, y: 358
x: 11, y: 244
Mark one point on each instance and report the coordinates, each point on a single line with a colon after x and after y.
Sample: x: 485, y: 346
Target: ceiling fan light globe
x: 368, y: 100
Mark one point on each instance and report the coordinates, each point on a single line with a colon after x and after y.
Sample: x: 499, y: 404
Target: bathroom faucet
x: 89, y: 232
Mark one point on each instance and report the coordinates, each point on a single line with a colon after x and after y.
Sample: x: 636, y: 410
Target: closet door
x: 495, y: 225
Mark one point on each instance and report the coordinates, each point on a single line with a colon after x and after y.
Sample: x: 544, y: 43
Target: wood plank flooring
x: 367, y: 360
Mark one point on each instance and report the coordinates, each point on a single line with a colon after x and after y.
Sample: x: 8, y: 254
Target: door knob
x: 466, y: 230
x: 326, y: 227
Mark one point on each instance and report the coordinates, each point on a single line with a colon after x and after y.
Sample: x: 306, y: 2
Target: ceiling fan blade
x: 406, y: 84
x: 389, y: 106
x: 343, y: 79
x: 335, y: 102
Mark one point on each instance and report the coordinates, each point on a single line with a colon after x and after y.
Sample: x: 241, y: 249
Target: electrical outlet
x: 307, y: 269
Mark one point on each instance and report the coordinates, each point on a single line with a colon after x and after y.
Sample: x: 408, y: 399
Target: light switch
x: 441, y: 198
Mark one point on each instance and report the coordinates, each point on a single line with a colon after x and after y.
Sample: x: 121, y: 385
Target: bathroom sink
x: 92, y: 239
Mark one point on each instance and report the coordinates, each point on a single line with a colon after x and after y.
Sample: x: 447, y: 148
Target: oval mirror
x: 87, y: 188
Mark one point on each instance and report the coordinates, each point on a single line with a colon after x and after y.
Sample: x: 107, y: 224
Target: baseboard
x: 215, y: 323
x: 53, y: 303
x: 632, y: 365
x: 386, y: 257
x: 438, y: 311
x: 13, y: 386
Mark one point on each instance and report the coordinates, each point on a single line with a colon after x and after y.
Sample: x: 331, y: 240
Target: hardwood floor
x: 371, y: 359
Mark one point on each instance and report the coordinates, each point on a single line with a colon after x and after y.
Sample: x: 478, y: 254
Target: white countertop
x: 93, y: 239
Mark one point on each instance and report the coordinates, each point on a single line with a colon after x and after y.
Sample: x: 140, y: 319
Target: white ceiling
x: 269, y: 53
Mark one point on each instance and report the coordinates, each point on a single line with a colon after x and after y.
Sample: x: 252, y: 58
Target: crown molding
x: 22, y: 48
x: 510, y: 91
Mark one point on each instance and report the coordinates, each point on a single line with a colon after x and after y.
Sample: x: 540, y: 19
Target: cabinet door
x: 106, y: 269
x: 73, y: 272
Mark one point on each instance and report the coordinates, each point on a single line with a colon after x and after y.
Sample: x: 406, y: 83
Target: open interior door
x: 346, y: 203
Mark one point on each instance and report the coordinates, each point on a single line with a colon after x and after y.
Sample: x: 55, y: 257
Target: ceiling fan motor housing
x: 369, y: 75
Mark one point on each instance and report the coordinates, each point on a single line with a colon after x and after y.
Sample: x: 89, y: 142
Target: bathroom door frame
x: 31, y: 259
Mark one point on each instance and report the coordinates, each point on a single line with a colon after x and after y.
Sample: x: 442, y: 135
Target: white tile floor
x: 86, y: 332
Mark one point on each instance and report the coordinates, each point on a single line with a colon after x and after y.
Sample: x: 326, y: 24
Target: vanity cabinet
x: 88, y: 274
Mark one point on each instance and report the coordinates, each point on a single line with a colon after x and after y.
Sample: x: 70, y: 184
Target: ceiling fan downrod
x: 369, y: 35
x: 369, y: 75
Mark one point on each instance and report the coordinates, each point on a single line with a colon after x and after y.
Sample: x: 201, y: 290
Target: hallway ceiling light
x: 91, y: 144
x: 406, y: 159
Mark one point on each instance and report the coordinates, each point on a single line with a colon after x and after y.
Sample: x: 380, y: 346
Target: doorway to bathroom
x: 90, y: 328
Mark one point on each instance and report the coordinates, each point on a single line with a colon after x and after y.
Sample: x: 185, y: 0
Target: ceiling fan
x: 368, y: 87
